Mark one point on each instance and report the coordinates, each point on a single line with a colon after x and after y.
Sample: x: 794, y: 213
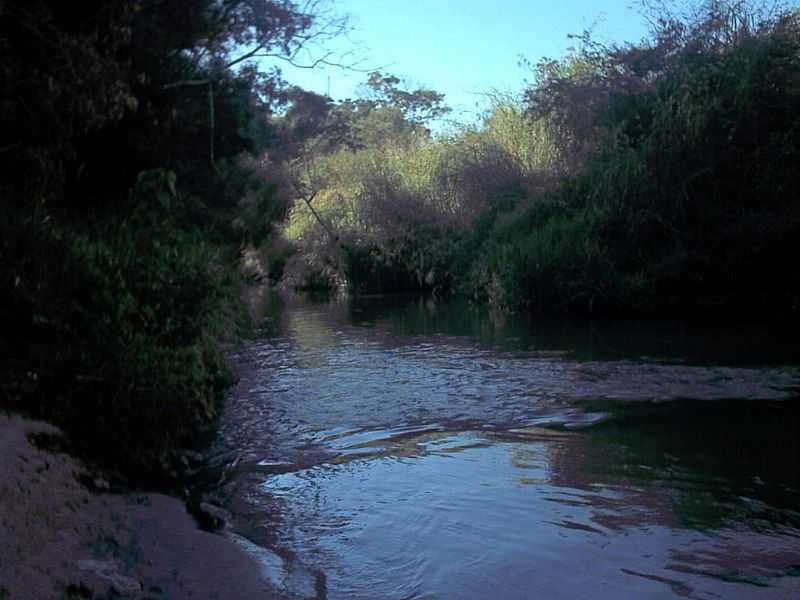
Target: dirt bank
x: 60, y: 540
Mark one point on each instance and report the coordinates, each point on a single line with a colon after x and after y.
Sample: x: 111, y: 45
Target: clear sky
x: 464, y: 48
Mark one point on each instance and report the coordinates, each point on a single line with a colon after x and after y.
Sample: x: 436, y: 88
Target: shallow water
x: 401, y: 449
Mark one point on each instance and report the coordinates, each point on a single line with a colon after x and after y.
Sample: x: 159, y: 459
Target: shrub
x: 123, y: 322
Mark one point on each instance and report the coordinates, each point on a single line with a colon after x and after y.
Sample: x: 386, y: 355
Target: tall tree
x: 419, y: 106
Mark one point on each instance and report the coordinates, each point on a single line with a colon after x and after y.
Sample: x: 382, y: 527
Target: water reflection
x: 694, y: 342
x: 473, y: 514
x: 401, y: 453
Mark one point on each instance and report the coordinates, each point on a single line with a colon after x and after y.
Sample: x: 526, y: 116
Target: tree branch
x: 322, y: 223
x: 185, y: 83
x: 211, y: 126
x: 246, y: 56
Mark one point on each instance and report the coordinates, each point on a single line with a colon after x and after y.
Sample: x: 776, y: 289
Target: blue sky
x: 464, y: 48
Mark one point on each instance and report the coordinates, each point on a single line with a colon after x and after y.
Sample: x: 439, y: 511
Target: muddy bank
x: 59, y: 539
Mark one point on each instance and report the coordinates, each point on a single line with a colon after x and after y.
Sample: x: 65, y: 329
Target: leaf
x: 164, y: 199
x: 171, y: 178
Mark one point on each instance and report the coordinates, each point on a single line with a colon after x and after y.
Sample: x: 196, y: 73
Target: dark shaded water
x: 400, y: 449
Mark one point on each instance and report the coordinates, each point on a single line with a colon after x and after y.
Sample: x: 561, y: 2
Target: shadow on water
x: 733, y: 343
x: 739, y: 450
x: 695, y: 342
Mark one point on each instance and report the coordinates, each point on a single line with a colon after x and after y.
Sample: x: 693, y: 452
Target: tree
x: 131, y: 171
x: 238, y: 33
x: 420, y: 106
x: 574, y: 93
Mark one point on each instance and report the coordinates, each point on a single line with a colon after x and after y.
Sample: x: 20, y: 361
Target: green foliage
x: 132, y: 172
x: 124, y: 332
x: 406, y: 208
x: 656, y: 177
x: 419, y: 106
x: 690, y: 189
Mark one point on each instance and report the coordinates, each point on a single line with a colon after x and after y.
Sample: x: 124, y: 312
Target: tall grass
x: 412, y: 208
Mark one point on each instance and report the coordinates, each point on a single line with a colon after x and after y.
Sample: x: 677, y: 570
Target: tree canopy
x: 133, y: 171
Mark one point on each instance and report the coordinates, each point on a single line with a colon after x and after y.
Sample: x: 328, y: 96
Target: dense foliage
x: 133, y: 171
x: 689, y: 201
x: 655, y: 177
x: 395, y: 209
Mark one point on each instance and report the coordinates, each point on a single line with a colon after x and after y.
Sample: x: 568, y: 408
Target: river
x: 399, y: 448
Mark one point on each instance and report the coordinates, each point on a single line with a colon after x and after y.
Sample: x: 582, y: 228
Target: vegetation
x: 395, y: 209
x: 686, y: 194
x: 133, y: 171
x: 656, y: 177
x: 143, y: 150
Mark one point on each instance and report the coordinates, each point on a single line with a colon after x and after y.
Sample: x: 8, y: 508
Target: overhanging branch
x: 322, y: 223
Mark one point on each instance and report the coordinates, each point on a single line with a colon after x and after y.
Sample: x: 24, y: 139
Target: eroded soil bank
x: 62, y: 536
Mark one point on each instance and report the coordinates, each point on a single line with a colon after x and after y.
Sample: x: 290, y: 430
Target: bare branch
x: 185, y: 83
x: 321, y: 61
x: 326, y: 26
x: 322, y: 223
x: 246, y: 56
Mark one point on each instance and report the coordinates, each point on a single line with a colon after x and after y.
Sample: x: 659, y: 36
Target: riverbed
x: 403, y: 448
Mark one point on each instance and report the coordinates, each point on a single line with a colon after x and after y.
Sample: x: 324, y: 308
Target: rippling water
x: 408, y: 450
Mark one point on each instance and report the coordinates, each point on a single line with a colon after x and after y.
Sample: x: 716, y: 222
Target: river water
x: 398, y: 448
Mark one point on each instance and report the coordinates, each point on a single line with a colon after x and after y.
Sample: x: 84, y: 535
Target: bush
x: 687, y: 200
x: 123, y: 323
x: 410, y: 213
x: 545, y: 260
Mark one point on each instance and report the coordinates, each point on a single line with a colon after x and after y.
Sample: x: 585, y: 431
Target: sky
x: 463, y: 48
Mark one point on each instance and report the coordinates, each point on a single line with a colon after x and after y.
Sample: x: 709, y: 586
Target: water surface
x: 402, y: 449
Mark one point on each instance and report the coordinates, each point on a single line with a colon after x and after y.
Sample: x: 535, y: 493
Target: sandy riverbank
x: 55, y: 534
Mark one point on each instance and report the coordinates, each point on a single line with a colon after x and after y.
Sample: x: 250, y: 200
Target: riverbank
x: 63, y: 535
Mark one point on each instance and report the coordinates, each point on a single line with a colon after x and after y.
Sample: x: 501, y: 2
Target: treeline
x: 134, y: 169
x: 651, y: 178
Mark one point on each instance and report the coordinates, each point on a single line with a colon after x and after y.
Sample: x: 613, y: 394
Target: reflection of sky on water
x: 474, y: 515
x: 415, y: 466
x: 322, y: 376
